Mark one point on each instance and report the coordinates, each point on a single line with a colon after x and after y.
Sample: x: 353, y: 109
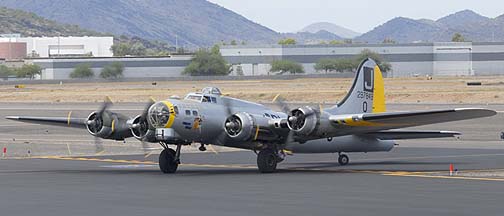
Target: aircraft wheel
x: 167, y: 162
x: 267, y: 161
x: 343, y: 159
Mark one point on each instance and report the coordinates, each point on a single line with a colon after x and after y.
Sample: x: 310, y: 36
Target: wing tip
x: 482, y: 111
x: 12, y: 117
x: 454, y: 133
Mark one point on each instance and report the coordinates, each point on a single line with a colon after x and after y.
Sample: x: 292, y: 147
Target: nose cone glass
x: 159, y: 114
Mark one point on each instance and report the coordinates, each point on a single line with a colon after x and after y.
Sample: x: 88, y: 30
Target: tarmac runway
x: 407, y: 181
x: 410, y: 180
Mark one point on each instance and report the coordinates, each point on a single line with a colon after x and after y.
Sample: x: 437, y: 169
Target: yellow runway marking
x: 421, y: 175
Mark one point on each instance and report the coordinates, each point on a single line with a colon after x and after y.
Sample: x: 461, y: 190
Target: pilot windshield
x: 159, y: 115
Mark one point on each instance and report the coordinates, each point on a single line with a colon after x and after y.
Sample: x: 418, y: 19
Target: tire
x: 167, y: 162
x: 267, y: 161
x: 343, y: 160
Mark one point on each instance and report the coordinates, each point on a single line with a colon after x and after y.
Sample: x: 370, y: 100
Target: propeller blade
x: 145, y: 111
x: 145, y: 148
x: 99, y: 149
x: 105, y: 105
x: 290, y: 137
x: 280, y: 102
x: 227, y: 105
x: 212, y: 149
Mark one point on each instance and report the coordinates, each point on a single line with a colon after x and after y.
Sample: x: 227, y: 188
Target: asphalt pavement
x: 413, y: 179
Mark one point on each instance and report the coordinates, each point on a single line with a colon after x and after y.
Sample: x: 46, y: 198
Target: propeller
x: 143, y: 126
x: 280, y: 103
x: 95, y: 123
x: 223, y: 137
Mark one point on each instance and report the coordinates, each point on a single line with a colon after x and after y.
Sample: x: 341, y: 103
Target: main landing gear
x: 169, y: 160
x: 343, y: 159
x: 267, y: 160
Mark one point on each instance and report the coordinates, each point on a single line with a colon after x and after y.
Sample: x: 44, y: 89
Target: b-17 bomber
x: 358, y: 123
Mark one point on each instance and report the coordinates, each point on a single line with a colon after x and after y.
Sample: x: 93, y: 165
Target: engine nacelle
x: 248, y: 127
x: 108, y: 126
x: 141, y: 130
x: 303, y: 120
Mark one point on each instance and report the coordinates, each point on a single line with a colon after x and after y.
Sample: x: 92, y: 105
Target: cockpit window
x: 175, y: 108
x: 206, y: 99
x: 194, y: 98
x: 188, y: 112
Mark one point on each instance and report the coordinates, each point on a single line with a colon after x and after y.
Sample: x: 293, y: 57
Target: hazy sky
x: 360, y: 15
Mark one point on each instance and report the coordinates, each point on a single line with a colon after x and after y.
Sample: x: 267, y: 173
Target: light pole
x: 260, y: 59
x: 10, y: 47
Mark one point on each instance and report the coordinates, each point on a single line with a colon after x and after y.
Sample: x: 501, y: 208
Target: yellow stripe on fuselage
x: 171, y: 109
x: 379, y: 92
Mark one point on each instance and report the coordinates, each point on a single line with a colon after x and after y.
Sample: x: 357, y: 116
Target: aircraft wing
x: 374, y: 122
x: 56, y: 121
x: 398, y: 135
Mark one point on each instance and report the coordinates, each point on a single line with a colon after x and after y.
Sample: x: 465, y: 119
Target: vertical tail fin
x: 367, y: 94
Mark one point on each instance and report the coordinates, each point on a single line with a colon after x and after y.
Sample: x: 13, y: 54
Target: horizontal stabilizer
x: 56, y: 121
x: 398, y: 135
x: 373, y: 122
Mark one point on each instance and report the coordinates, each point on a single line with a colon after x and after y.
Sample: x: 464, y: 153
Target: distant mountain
x: 473, y: 26
x: 404, y: 30
x: 330, y: 27
x: 463, y: 19
x: 313, y: 38
x: 190, y: 22
x: 29, y: 24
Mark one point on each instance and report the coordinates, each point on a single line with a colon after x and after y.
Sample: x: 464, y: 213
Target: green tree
x: 457, y: 37
x: 366, y: 53
x: 336, y: 42
x: 287, y: 41
x: 234, y: 43
x: 346, y: 65
x: 6, y: 71
x: 82, y: 71
x: 28, y: 71
x: 326, y: 65
x: 207, y: 63
x: 388, y: 41
x: 112, y: 71
x: 339, y: 65
x: 121, y: 49
x: 129, y: 49
x: 286, y: 66
x: 138, y: 49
